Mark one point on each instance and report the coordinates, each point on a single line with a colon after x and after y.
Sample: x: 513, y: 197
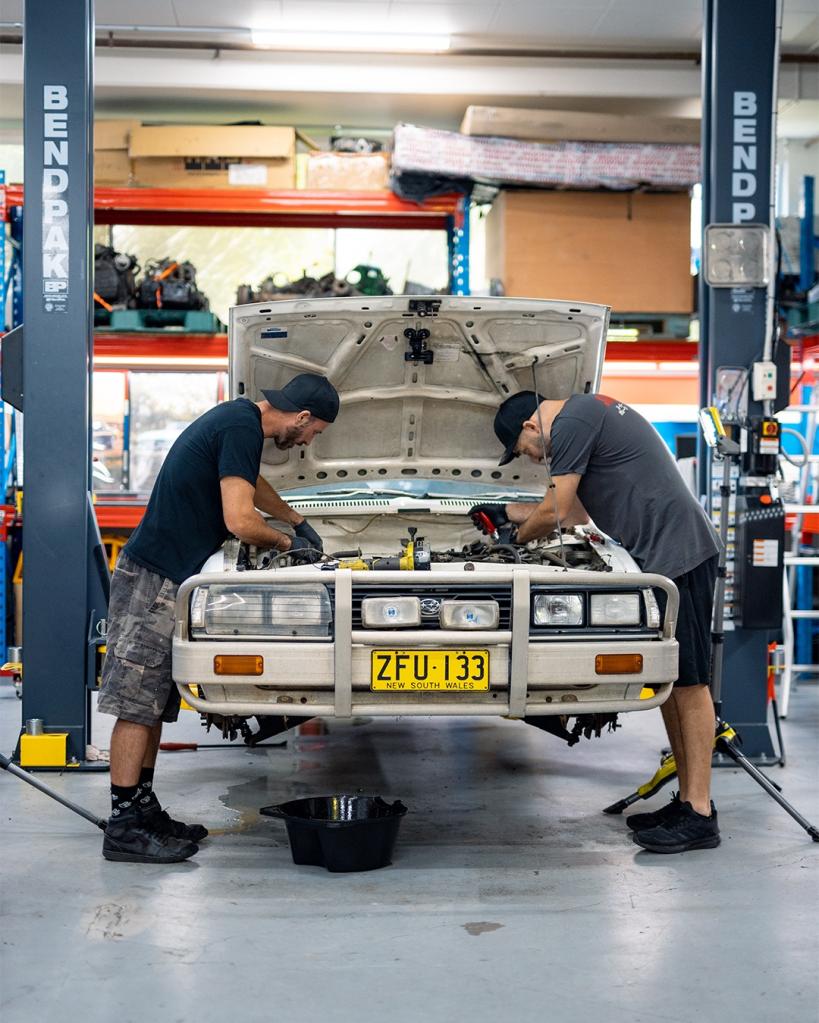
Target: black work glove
x: 508, y: 533
x: 304, y: 550
x: 495, y: 514
x: 306, y: 532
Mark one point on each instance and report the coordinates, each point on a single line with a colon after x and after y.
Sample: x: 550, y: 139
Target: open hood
x: 414, y: 406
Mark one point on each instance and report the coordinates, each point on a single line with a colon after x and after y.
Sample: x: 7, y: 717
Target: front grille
x: 502, y: 594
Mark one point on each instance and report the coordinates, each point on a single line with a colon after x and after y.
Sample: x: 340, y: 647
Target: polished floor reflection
x: 511, y: 895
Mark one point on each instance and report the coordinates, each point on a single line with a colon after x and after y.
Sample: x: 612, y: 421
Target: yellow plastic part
x: 47, y: 750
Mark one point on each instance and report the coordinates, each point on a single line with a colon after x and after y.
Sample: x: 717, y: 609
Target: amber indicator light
x: 238, y: 664
x: 618, y: 664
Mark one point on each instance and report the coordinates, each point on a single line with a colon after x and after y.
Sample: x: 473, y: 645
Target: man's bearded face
x: 299, y: 435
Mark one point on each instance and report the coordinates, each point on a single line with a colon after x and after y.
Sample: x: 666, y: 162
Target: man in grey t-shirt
x: 609, y: 463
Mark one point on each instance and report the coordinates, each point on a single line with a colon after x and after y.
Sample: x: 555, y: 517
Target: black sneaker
x: 133, y: 838
x: 161, y: 821
x: 643, y: 821
x: 686, y: 830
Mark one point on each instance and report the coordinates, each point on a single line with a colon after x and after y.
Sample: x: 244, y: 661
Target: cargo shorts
x: 137, y: 684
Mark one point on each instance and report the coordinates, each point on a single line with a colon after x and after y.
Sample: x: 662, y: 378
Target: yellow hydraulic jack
x: 726, y: 740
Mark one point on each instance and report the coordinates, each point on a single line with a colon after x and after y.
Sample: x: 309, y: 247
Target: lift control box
x: 760, y: 541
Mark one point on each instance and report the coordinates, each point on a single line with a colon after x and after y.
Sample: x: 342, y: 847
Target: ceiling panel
x: 801, y: 29
x: 455, y: 19
x: 545, y: 26
x: 673, y: 28
x: 509, y: 8
x: 324, y: 16
x: 535, y: 22
x: 126, y: 12
x: 242, y: 14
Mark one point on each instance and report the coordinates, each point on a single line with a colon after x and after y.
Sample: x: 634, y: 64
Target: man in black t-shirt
x: 608, y: 462
x: 208, y: 487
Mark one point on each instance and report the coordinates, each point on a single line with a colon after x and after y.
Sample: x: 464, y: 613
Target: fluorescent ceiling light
x: 356, y: 42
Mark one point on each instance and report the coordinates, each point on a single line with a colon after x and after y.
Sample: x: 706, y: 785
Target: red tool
x: 482, y: 521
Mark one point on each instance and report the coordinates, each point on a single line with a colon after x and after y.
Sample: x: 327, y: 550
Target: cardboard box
x: 627, y: 250
x: 568, y: 164
x: 353, y: 171
x: 113, y: 134
x: 578, y: 126
x: 179, y: 156
x: 112, y: 167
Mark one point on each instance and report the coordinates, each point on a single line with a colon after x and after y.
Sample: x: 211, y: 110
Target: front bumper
x: 527, y: 677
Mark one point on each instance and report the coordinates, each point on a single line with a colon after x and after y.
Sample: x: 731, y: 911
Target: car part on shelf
x: 114, y: 278
x: 169, y: 284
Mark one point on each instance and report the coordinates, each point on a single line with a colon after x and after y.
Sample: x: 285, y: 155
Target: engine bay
x: 572, y: 548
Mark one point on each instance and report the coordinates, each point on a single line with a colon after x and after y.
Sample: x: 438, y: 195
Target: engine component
x: 415, y: 557
x: 585, y: 725
x: 369, y: 280
x: 169, y: 284
x: 231, y: 727
x: 277, y: 286
x: 114, y: 278
x: 577, y: 552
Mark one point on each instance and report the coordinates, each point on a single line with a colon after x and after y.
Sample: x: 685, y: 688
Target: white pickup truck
x: 412, y: 612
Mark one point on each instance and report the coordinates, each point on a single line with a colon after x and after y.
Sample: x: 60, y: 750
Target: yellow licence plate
x: 429, y: 670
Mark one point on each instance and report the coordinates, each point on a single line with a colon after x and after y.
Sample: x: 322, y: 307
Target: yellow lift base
x: 47, y: 750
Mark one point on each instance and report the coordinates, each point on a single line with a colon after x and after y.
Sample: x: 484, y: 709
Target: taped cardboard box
x: 112, y: 167
x: 113, y: 134
x: 578, y: 126
x: 630, y: 251
x: 362, y: 172
x: 112, y: 164
x: 180, y: 156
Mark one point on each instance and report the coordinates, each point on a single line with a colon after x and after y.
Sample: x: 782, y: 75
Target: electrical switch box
x: 764, y: 381
x: 760, y: 543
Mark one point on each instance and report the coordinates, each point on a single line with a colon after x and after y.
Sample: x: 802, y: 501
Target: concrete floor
x: 511, y: 895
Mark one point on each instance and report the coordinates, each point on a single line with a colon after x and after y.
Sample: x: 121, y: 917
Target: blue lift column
x: 60, y: 540
x: 740, y: 70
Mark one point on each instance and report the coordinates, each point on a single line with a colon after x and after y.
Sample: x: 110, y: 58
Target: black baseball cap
x: 306, y: 391
x: 510, y: 418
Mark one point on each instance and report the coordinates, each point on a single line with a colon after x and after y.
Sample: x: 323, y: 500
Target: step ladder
x: 796, y: 558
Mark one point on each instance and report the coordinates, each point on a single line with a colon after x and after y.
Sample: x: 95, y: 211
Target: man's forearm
x: 267, y: 500
x: 537, y: 524
x: 520, y: 512
x: 253, y: 529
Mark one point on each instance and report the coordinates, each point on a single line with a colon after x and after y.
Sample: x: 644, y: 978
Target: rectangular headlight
x: 282, y: 611
x: 558, y: 609
x: 390, y: 612
x: 469, y: 614
x: 615, y: 609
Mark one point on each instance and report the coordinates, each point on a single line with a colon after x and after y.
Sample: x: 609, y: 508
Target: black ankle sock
x: 123, y: 798
x: 145, y: 789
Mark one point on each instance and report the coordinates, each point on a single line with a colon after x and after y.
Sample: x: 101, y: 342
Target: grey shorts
x: 136, y: 674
